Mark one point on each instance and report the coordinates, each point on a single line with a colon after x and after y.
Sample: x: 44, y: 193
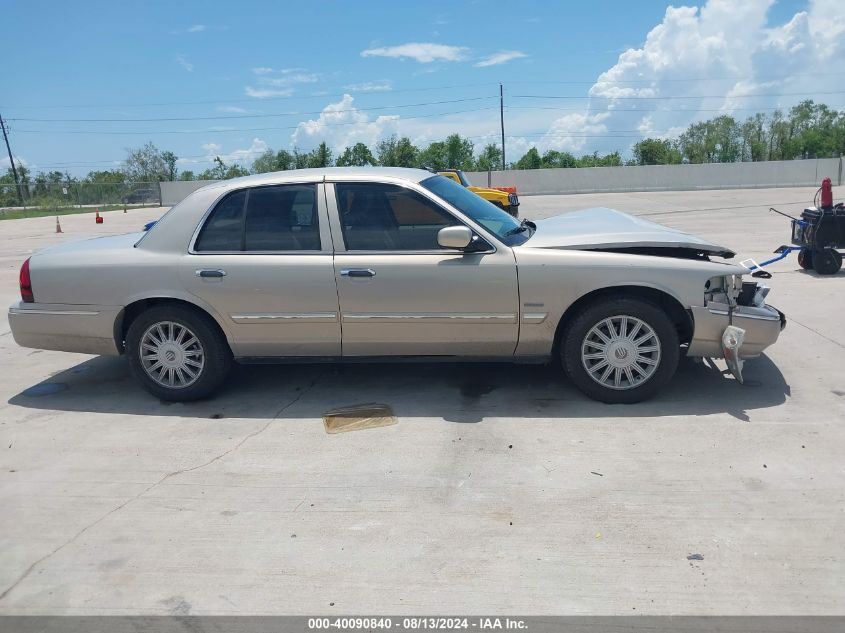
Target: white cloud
x: 264, y: 93
x: 242, y: 156
x: 267, y: 70
x: 212, y: 149
x: 197, y: 28
x: 423, y: 52
x: 232, y: 109
x: 502, y: 57
x: 278, y: 83
x: 341, y: 125
x: 371, y: 86
x: 184, y: 63
x: 256, y: 148
x: 722, y: 58
x: 571, y: 132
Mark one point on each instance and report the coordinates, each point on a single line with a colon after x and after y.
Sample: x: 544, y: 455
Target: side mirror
x: 454, y: 237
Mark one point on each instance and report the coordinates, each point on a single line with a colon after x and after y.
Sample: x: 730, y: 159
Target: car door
x: 400, y: 293
x: 262, y: 259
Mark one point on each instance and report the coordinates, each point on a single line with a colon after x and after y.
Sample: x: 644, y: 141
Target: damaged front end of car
x: 735, y: 322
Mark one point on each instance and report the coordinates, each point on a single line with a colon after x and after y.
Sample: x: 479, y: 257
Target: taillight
x: 26, y: 284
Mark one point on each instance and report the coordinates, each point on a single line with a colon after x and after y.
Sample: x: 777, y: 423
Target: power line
x: 670, y: 79
x: 253, y: 116
x: 218, y: 130
x: 254, y: 100
x: 235, y: 130
x: 209, y: 157
x: 605, y: 134
x: 619, y: 97
x: 692, y: 110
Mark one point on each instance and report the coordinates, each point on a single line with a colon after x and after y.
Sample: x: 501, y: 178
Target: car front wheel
x: 620, y: 351
x: 177, y: 354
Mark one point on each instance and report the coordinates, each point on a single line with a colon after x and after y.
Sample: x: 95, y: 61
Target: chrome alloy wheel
x: 171, y: 355
x: 621, y: 352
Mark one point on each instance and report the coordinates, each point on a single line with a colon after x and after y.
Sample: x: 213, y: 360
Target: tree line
x: 807, y: 130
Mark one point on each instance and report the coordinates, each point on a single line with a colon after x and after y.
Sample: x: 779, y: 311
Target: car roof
x: 322, y: 174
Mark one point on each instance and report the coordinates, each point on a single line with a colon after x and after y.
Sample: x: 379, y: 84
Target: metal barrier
x: 57, y: 195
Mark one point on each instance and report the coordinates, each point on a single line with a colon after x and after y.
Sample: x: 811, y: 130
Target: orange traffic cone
x: 97, y: 218
x: 58, y: 226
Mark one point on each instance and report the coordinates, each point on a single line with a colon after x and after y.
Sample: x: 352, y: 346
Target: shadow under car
x: 456, y: 392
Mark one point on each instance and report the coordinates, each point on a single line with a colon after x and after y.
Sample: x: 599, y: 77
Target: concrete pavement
x: 501, y: 490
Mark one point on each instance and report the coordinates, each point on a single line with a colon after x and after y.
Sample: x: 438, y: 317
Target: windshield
x: 488, y: 215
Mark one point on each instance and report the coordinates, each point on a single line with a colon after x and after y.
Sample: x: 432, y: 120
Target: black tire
x: 805, y: 258
x: 217, y: 357
x: 593, y: 315
x: 827, y: 261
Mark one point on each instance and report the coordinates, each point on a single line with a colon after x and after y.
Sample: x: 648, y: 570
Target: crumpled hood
x: 602, y: 228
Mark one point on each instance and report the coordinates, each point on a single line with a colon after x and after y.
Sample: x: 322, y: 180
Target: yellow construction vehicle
x: 504, y: 198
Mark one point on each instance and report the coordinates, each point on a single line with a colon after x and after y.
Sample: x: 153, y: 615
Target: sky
x: 87, y: 80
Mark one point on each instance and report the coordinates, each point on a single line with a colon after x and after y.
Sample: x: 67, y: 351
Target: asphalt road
x: 501, y: 489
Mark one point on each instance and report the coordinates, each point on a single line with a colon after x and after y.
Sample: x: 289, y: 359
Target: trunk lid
x: 89, y: 244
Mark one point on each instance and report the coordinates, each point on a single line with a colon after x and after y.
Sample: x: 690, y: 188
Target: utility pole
x: 502, y: 121
x: 11, y: 160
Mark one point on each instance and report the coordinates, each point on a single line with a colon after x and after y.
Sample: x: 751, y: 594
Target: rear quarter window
x: 223, y: 230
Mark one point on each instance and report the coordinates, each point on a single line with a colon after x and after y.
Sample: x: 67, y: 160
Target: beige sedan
x: 382, y: 263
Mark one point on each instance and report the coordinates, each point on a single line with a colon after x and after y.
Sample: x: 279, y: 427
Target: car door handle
x: 358, y: 272
x: 211, y: 273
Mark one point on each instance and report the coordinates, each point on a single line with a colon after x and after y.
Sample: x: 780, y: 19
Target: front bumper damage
x: 734, y: 332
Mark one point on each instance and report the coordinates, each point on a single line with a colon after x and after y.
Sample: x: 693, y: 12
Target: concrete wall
x: 791, y: 173
x: 787, y: 173
x: 176, y: 191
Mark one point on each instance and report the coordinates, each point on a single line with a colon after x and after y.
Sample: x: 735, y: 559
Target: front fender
x: 552, y: 280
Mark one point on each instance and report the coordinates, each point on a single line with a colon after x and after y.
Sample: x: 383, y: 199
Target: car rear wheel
x: 620, y: 351
x: 177, y: 354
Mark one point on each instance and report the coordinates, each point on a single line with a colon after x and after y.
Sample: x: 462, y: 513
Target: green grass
x: 41, y: 212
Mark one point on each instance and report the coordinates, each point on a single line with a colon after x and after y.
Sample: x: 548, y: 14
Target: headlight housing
x: 723, y: 289
x: 733, y: 291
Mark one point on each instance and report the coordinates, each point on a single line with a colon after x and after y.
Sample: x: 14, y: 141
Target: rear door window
x: 262, y: 219
x: 282, y: 218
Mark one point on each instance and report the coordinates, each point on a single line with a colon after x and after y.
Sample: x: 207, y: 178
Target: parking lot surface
x: 501, y: 489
